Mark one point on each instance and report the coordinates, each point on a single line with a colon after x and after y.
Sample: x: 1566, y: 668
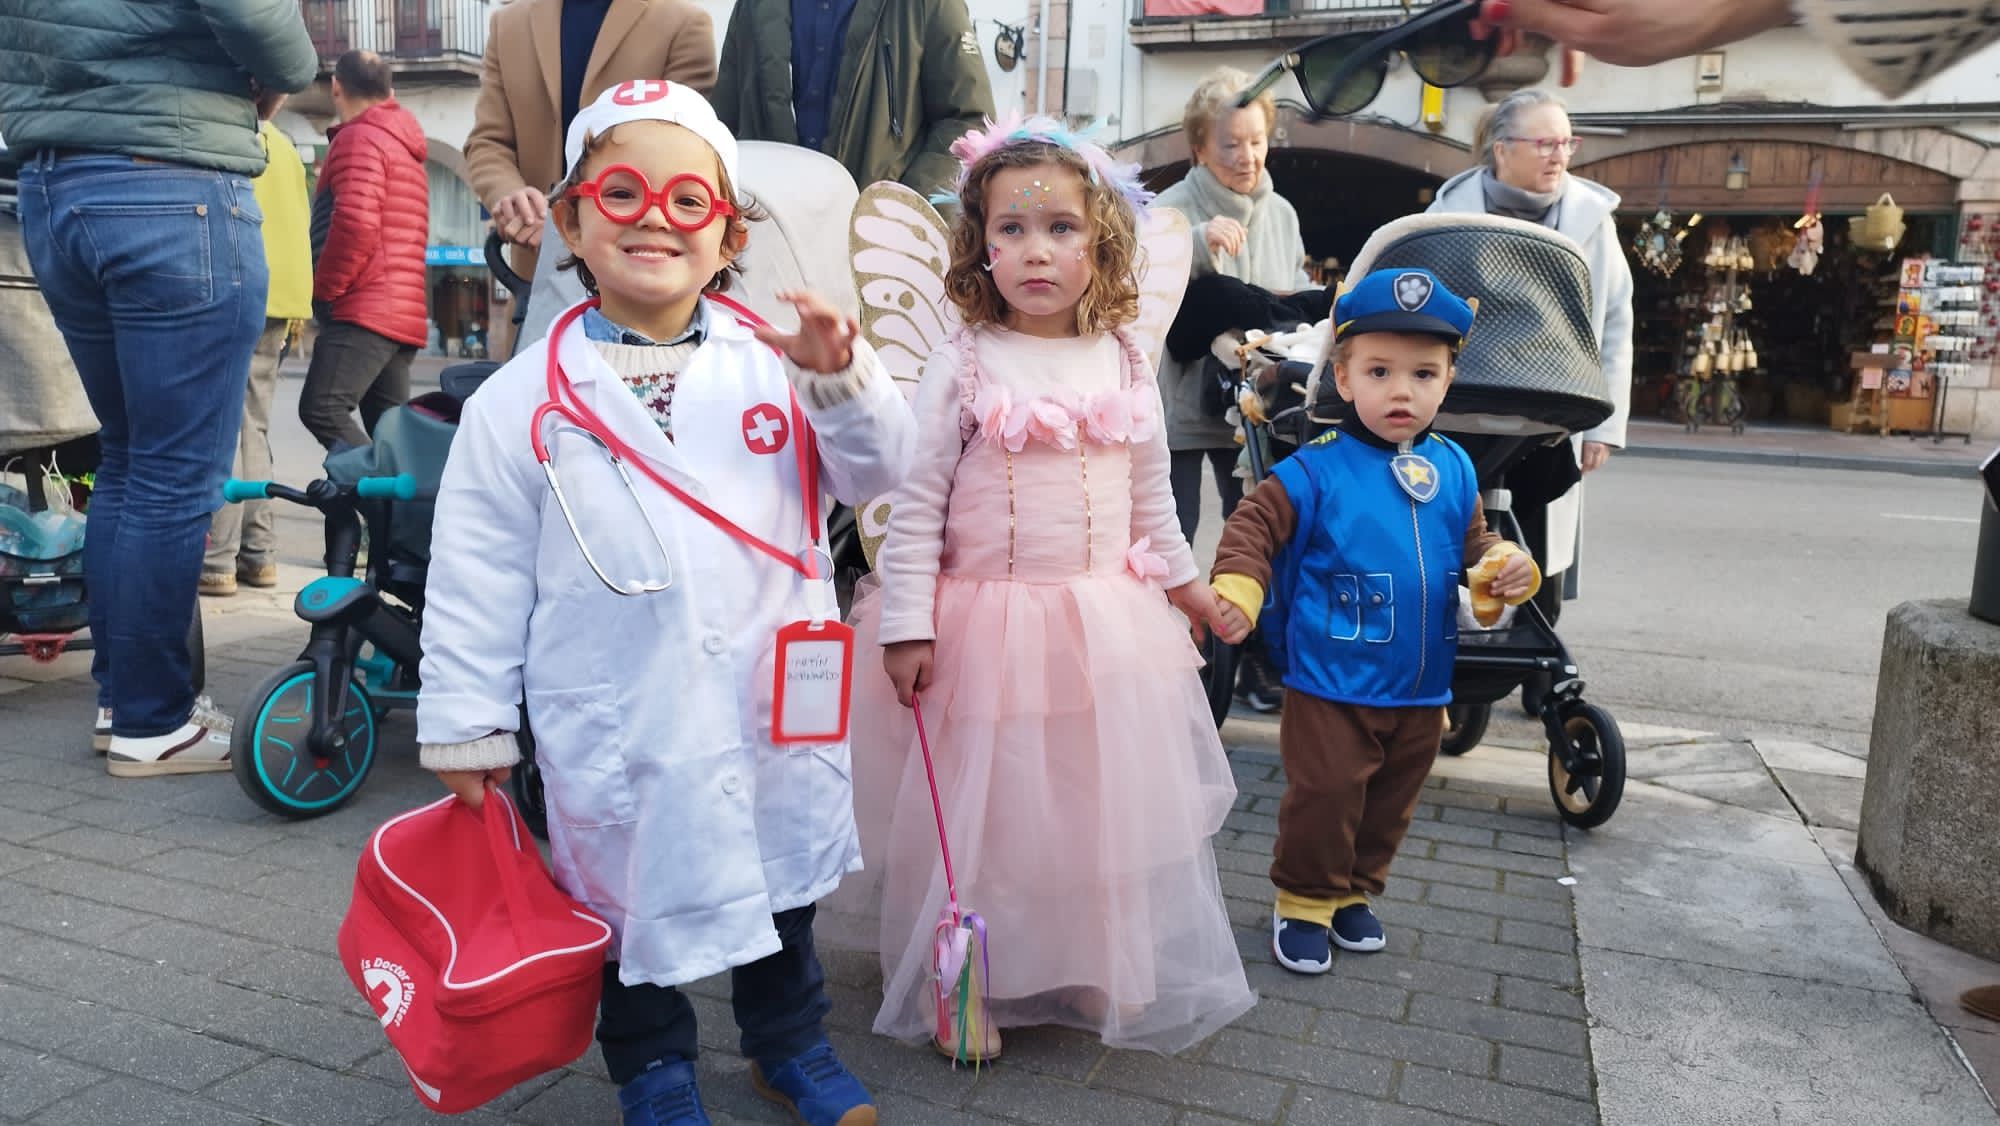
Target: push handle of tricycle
x: 236, y: 492
x: 400, y: 487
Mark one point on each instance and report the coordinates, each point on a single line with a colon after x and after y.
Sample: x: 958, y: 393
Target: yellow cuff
x: 1309, y: 910
x: 1502, y: 550
x: 1242, y: 592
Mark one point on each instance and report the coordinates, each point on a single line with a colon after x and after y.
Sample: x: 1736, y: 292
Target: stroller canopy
x: 1530, y: 362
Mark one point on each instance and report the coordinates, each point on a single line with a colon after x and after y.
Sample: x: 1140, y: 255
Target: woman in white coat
x: 1525, y: 144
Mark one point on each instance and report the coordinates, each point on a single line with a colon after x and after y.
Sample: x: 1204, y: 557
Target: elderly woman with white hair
x: 1525, y: 144
x: 1245, y: 231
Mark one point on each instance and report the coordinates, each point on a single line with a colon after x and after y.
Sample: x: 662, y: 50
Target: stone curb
x: 1909, y: 466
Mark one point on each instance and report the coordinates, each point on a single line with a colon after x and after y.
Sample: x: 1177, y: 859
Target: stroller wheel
x: 274, y: 765
x: 1464, y: 727
x: 1218, y: 676
x: 1587, y: 797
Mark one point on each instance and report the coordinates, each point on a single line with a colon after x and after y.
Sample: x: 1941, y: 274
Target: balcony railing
x: 405, y: 31
x: 1196, y: 23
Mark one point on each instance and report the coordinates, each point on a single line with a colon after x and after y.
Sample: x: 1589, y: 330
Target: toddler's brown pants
x: 1352, y: 777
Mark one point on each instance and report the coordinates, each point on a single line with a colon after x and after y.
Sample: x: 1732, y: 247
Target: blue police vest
x: 1364, y: 598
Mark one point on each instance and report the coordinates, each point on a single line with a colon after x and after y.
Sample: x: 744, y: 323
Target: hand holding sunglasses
x: 1341, y: 73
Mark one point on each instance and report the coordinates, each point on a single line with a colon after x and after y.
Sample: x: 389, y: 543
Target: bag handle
x: 504, y: 832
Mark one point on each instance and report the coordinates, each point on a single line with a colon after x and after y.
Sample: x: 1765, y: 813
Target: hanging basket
x: 1880, y: 227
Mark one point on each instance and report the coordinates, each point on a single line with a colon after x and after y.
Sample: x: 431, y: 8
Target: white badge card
x: 814, y: 662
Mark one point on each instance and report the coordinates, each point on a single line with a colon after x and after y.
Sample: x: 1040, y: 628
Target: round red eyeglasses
x: 622, y: 195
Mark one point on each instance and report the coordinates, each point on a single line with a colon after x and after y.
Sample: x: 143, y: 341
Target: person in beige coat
x: 544, y: 58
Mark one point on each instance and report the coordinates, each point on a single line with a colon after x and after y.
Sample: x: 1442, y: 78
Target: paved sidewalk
x: 168, y: 958
x: 1813, y: 447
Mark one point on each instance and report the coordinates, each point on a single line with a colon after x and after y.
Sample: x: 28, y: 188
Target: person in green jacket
x: 241, y: 539
x: 136, y: 124
x: 882, y: 86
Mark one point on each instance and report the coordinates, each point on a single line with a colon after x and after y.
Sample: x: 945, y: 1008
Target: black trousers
x: 779, y: 1001
x: 350, y: 367
x: 1184, y: 475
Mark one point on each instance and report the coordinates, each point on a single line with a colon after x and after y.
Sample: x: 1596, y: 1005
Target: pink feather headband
x: 1014, y: 129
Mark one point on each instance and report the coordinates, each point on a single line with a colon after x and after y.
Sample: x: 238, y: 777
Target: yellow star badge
x: 1416, y: 475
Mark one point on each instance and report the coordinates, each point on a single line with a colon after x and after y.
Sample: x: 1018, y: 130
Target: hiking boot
x: 817, y: 1089
x: 260, y: 575
x: 200, y: 746
x: 663, y: 1096
x: 217, y: 584
x: 100, y: 731
x: 1257, y: 683
x: 1299, y: 946
x: 1356, y: 928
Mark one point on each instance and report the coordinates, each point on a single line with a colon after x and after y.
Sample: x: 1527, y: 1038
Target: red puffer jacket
x: 374, y: 187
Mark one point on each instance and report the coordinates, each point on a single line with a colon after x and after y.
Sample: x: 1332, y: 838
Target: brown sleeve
x: 1260, y: 527
x: 691, y: 56
x: 492, y: 158
x: 1478, y: 537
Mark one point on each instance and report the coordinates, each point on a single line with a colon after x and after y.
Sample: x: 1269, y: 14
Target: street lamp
x: 1737, y: 177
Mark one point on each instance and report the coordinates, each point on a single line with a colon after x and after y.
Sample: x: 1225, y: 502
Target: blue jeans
x: 155, y: 273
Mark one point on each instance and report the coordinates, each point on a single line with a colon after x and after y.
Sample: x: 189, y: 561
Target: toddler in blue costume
x: 1361, y: 540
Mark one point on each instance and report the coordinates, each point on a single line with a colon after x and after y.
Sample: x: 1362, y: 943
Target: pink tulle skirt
x: 1082, y: 780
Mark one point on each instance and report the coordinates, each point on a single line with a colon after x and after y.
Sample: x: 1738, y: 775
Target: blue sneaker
x: 664, y: 1096
x: 817, y: 1089
x: 1299, y: 946
x: 1356, y: 928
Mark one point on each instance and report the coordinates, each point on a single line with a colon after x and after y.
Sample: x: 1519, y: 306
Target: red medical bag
x: 482, y: 971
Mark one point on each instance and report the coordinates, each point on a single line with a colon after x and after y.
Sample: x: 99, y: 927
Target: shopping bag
x: 481, y: 970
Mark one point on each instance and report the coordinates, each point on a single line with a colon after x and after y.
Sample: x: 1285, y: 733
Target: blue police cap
x: 1401, y: 300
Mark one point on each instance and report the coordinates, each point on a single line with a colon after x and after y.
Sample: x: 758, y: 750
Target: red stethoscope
x: 568, y: 410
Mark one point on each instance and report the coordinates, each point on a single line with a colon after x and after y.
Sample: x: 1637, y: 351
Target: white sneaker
x: 100, y: 731
x: 200, y: 746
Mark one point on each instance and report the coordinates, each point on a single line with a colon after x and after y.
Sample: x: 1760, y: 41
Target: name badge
x: 813, y: 664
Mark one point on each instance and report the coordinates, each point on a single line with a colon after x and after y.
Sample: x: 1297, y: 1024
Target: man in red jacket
x: 371, y: 222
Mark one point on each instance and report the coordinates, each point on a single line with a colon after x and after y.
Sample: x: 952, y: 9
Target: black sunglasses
x: 1341, y: 73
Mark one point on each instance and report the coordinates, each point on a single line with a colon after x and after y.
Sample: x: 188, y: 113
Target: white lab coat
x: 671, y: 814
x: 1586, y: 216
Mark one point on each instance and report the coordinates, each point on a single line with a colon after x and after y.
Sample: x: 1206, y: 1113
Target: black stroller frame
x: 1586, y: 751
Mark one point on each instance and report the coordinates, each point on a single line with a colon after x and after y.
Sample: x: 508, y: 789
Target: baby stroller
x: 1527, y: 377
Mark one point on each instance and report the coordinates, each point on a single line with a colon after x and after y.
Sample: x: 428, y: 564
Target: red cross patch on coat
x: 765, y: 429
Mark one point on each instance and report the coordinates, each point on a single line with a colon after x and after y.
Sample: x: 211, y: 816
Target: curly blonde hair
x: 1112, y: 298
x: 1215, y: 96
x: 748, y: 211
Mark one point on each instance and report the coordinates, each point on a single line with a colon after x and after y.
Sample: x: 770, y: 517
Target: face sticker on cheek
x: 992, y: 256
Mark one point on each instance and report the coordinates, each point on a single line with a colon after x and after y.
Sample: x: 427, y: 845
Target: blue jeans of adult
x: 156, y: 275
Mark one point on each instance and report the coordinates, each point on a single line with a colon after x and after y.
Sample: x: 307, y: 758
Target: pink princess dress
x: 1080, y: 771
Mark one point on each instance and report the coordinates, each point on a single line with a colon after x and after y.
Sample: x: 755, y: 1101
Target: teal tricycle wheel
x: 272, y: 761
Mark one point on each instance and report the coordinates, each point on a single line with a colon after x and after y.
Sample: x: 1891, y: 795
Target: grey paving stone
x: 1535, y: 887
x: 1529, y: 1067
x: 13, y: 857
x: 110, y: 813
x: 31, y: 1080
x: 916, y: 1069
x: 1052, y: 1102
x: 138, y: 891
x: 1263, y: 844
x: 40, y: 1019
x: 1246, y: 822
x: 157, y: 1052
x: 200, y: 866
x: 20, y: 826
x: 1060, y: 1052
x: 1538, y: 997
x: 1275, y: 1016
x: 1546, y: 826
x: 1248, y: 863
x: 312, y: 978
x: 1316, y: 1107
x: 1423, y: 977
x: 1507, y: 861
x: 308, y: 889
x: 309, y: 854
x: 1317, y: 1064
x: 1436, y: 920
x: 213, y: 835
x: 1462, y: 799
x: 197, y: 949
x: 1541, y: 936
x: 290, y: 1091
x: 898, y: 1107
x: 64, y: 916
x: 1449, y: 1051
x: 1335, y: 990
x: 305, y: 1032
x: 1505, y: 1025
x: 87, y: 842
x: 1519, y: 961
x: 132, y: 1101
x: 290, y: 926
x: 1505, y: 906
x: 572, y: 1101
x: 1549, y: 847
x: 1483, y: 877
x: 34, y: 797
x: 1487, y: 1101
x: 1446, y: 832
x: 1192, y: 1085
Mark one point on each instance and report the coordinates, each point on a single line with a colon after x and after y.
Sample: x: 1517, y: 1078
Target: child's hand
x: 1203, y: 609
x: 1515, y: 577
x: 1234, y: 625
x: 909, y: 667
x: 824, y: 342
x: 470, y: 785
